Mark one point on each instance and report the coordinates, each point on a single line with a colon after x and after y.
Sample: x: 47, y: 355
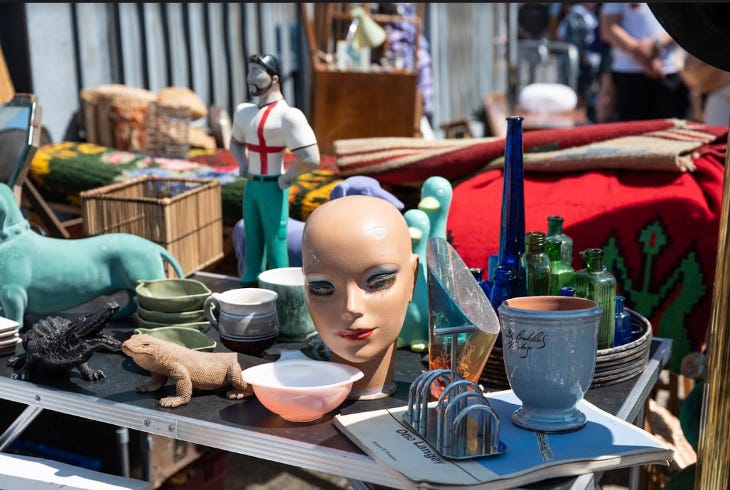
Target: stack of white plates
x: 9, y: 336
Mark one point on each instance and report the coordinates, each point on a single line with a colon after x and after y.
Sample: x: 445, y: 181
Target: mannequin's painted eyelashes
x: 376, y: 282
x: 321, y: 288
x: 383, y: 280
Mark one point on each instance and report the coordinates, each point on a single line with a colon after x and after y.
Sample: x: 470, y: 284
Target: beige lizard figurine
x: 190, y: 369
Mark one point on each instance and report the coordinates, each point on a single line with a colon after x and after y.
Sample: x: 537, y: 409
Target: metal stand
x: 461, y: 424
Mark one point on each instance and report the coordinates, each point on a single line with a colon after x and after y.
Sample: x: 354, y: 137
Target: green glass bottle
x: 596, y: 283
x: 561, y: 274
x: 536, y: 264
x: 555, y: 230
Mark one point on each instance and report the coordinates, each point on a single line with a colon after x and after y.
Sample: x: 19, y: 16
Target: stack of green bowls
x: 172, y: 302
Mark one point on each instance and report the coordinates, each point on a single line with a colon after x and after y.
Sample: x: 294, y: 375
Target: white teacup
x: 243, y: 313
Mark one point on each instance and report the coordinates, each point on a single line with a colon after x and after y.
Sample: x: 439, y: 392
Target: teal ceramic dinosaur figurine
x: 435, y: 201
x: 47, y: 275
x: 427, y: 221
x: 414, y: 333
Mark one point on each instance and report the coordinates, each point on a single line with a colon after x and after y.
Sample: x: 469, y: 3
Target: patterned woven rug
x: 662, y: 144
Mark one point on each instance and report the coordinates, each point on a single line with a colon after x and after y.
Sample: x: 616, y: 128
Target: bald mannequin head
x: 359, y: 276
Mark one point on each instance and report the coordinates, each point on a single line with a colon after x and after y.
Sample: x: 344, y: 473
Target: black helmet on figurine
x: 268, y: 61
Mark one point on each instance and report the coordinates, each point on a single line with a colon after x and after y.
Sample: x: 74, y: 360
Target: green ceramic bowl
x: 203, y: 326
x: 171, y: 295
x: 179, y: 334
x: 171, y: 318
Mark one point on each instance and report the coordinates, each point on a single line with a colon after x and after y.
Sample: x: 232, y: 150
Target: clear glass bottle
x: 536, y: 264
x: 512, y: 224
x: 561, y: 273
x: 623, y: 334
x: 555, y: 230
x: 596, y: 283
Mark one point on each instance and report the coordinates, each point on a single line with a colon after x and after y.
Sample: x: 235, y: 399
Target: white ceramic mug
x: 295, y: 322
x: 243, y: 313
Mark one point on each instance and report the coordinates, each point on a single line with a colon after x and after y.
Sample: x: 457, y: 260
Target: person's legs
x: 605, y: 105
x: 633, y: 102
x: 275, y: 217
x: 669, y: 97
x: 254, y: 231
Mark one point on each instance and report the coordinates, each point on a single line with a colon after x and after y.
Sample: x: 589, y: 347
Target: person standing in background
x: 645, y: 65
x: 580, y: 28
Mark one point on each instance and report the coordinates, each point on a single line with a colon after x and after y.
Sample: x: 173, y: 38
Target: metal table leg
x: 635, y: 471
x: 357, y: 484
x: 19, y: 425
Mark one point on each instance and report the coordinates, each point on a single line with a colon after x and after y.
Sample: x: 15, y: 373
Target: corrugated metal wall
x: 466, y: 48
x: 204, y: 46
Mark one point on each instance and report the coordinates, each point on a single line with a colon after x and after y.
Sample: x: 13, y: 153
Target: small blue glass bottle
x: 501, y: 290
x: 622, y: 335
x: 502, y: 286
x: 484, y: 284
x: 567, y: 291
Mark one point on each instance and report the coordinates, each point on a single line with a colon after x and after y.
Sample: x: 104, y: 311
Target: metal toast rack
x: 461, y: 424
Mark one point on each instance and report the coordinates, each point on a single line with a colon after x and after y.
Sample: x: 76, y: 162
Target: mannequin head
x: 359, y: 277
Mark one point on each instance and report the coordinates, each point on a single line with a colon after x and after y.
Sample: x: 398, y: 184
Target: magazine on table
x: 606, y: 442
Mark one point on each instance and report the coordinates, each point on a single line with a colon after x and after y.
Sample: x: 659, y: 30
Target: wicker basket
x: 168, y: 130
x: 115, y: 115
x: 613, y: 365
x: 183, y: 215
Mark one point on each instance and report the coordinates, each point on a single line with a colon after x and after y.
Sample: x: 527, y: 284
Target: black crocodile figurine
x: 61, y: 344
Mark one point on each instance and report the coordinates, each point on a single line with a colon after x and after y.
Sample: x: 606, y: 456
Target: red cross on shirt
x: 261, y: 148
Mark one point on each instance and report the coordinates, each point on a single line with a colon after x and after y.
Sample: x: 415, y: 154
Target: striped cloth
x: 661, y: 144
x: 665, y: 150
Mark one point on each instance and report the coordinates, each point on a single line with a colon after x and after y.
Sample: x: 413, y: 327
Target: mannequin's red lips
x: 359, y: 334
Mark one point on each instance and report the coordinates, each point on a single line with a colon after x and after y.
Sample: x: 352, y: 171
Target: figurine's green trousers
x: 265, y: 216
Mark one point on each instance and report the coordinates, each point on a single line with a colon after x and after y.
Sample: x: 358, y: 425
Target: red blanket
x: 658, y: 229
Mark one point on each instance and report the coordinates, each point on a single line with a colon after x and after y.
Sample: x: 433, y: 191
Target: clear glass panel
x: 457, y: 302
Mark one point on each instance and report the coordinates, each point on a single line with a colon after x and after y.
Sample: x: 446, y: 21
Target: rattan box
x: 184, y: 215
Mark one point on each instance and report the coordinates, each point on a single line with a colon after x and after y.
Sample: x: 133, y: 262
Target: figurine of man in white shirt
x: 260, y: 135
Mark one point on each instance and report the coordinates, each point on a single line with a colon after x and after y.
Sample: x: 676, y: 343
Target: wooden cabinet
x: 357, y: 103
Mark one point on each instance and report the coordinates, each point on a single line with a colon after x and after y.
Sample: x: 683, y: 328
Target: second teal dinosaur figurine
x: 414, y: 333
x: 427, y: 221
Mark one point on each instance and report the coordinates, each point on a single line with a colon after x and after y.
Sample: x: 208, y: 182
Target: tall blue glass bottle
x: 512, y: 225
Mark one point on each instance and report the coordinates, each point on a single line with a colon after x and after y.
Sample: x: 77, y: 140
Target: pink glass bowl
x: 300, y: 389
